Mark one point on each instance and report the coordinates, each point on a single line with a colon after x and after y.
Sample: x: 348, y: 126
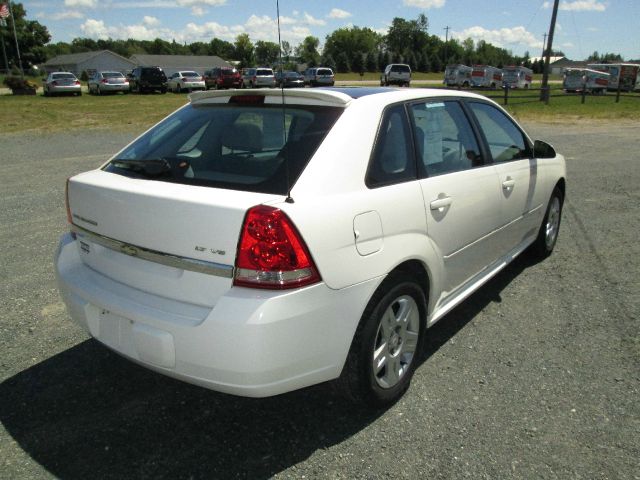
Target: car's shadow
x: 87, y: 413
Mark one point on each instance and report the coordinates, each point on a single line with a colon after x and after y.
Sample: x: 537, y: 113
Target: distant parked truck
x: 457, y: 76
x: 486, y: 76
x: 623, y: 75
x: 585, y: 79
x: 517, y: 77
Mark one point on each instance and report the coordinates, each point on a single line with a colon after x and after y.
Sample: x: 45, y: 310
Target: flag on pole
x: 4, y: 11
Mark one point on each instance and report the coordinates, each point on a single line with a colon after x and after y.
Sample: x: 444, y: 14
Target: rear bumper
x: 252, y: 343
x: 65, y: 89
x: 114, y: 87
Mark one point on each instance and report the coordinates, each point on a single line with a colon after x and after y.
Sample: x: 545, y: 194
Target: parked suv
x: 258, y: 77
x: 319, y: 76
x: 147, y: 79
x: 232, y: 246
x: 222, y: 77
x: 396, y: 74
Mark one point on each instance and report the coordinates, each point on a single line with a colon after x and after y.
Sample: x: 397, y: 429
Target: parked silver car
x: 318, y: 77
x: 258, y: 77
x: 61, y: 82
x: 185, y: 80
x: 108, y: 82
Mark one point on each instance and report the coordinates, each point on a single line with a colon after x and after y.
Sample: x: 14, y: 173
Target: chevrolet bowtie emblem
x: 129, y: 250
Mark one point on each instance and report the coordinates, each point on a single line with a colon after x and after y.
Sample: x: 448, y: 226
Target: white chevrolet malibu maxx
x: 259, y: 243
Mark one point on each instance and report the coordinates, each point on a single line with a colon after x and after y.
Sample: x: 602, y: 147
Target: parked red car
x: 222, y: 77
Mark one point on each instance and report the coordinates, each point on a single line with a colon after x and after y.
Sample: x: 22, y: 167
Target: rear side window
x: 392, y: 160
x: 233, y: 146
x: 506, y: 141
x: 445, y: 142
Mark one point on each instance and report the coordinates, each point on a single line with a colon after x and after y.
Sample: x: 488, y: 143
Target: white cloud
x: 503, y: 37
x: 95, y: 29
x: 81, y: 3
x: 198, y: 11
x: 580, y: 6
x: 338, y: 13
x: 64, y: 15
x: 424, y: 4
x: 257, y: 27
x: 150, y: 21
x: 310, y: 20
x: 196, y: 3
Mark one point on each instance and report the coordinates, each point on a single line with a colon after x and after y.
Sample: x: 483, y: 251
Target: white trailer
x: 517, y: 77
x: 457, y: 76
x: 623, y: 75
x: 486, y: 76
x: 585, y: 79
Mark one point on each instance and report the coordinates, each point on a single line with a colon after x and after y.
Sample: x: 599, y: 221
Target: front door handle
x: 441, y: 203
x: 508, y: 184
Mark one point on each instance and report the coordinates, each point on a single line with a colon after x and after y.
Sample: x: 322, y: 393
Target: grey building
x: 90, y: 62
x: 174, y: 63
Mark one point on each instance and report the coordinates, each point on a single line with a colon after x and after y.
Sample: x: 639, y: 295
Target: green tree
x: 243, y: 50
x: 307, y: 51
x: 406, y: 36
x: 266, y: 53
x: 354, y: 42
x: 32, y: 37
x: 221, y: 48
x: 372, y: 61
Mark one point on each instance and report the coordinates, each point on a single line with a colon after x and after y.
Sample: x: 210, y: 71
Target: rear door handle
x: 441, y: 203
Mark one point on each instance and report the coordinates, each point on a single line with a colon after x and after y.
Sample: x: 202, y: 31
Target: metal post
x: 506, y: 94
x: 4, y: 50
x: 544, y: 94
x: 15, y: 36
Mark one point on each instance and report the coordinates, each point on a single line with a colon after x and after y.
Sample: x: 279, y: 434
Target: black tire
x: 359, y: 381
x: 547, y: 238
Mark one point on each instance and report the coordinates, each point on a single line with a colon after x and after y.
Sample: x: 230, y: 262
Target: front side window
x: 505, y: 140
x: 392, y: 160
x: 445, y: 142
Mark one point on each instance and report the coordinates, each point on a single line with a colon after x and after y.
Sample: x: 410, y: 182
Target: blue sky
x: 517, y: 25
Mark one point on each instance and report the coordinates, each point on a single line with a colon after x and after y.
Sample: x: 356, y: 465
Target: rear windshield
x: 112, y: 75
x: 153, y: 73
x: 401, y: 68
x: 264, y: 71
x: 190, y: 74
x: 232, y: 146
x: 63, y: 75
x: 228, y: 71
x: 324, y: 71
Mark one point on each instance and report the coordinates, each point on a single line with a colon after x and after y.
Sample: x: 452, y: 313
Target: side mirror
x: 543, y: 150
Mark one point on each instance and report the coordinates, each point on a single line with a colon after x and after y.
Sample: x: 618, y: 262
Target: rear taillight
x: 54, y: 83
x: 104, y: 80
x: 77, y: 82
x: 271, y: 252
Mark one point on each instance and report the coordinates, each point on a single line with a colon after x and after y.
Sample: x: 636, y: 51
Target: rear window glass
x: 324, y: 71
x: 401, y: 68
x: 264, y: 71
x: 190, y: 74
x: 63, y: 75
x: 112, y: 75
x: 233, y: 146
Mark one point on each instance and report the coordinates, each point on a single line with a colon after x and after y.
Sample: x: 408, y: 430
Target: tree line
x: 347, y: 49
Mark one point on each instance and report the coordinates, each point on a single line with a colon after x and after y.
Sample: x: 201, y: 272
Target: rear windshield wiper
x: 151, y: 167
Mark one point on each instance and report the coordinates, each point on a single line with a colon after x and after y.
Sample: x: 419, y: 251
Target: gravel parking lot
x: 536, y: 376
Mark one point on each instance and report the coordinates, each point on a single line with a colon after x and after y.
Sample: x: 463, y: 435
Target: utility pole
x: 446, y: 43
x: 544, y: 93
x: 544, y: 43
